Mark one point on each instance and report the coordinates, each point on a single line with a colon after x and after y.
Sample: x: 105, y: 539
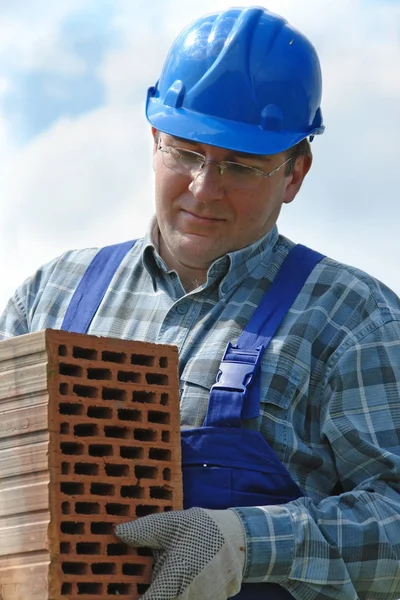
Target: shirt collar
x: 229, y: 269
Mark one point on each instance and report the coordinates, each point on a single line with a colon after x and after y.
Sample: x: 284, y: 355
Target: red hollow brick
x: 89, y: 437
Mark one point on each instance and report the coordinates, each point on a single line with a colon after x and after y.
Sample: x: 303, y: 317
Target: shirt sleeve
x: 17, y: 315
x: 14, y: 320
x: 347, y: 546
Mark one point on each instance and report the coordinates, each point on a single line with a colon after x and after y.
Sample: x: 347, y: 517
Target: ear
x: 155, y: 133
x: 295, y: 180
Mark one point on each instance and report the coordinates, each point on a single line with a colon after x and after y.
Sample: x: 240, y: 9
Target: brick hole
x: 143, y: 472
x: 117, y: 550
x: 156, y: 379
x: 66, y: 588
x: 145, y: 435
x: 115, y: 357
x: 102, y: 489
x: 84, y: 391
x: 129, y: 377
x: 85, y: 353
x: 70, y: 370
x: 142, y: 360
x: 163, y: 362
x: 131, y: 452
x: 64, y: 428
x: 164, y: 400
x: 72, y: 527
x: 100, y: 450
x: 142, y: 510
x: 68, y: 408
x: 131, y: 491
x: 144, y: 552
x: 159, y: 454
x: 117, y: 509
x: 65, y: 548
x: 160, y: 493
x: 167, y: 508
x: 71, y: 448
x: 87, y: 508
x: 126, y: 414
x: 166, y: 474
x: 101, y: 528
x: 86, y: 430
x: 157, y: 416
x: 119, y: 588
x: 142, y: 588
x: 65, y: 508
x: 89, y: 588
x: 103, y: 568
x: 86, y: 469
x: 116, y: 432
x: 113, y: 394
x: 63, y: 388
x: 73, y: 568
x: 88, y: 548
x: 99, y: 412
x: 72, y: 488
x: 65, y: 468
x: 165, y: 436
x: 144, y: 397
x: 132, y: 569
x: 62, y: 350
x: 116, y: 470
x: 99, y: 374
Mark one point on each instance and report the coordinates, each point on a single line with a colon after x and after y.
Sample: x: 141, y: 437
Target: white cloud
x: 68, y: 187
x: 30, y: 36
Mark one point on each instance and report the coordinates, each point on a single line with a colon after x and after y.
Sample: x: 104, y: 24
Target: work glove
x: 199, y: 554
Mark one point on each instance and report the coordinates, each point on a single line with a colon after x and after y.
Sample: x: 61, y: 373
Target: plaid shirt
x: 329, y: 398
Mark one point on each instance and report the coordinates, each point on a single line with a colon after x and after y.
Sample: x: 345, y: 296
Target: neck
x: 190, y: 277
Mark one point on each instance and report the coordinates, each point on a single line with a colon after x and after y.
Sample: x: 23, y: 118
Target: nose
x: 208, y: 183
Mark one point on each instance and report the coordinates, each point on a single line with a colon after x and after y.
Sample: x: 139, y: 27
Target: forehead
x: 208, y: 148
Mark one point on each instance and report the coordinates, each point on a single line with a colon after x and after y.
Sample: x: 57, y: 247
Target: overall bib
x: 224, y: 465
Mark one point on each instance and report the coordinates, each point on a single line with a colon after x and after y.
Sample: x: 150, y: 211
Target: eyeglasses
x: 236, y: 175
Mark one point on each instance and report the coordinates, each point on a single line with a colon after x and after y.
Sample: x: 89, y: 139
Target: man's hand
x: 199, y: 554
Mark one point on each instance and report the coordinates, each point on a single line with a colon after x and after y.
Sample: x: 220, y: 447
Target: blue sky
x: 37, y: 96
x: 75, y: 152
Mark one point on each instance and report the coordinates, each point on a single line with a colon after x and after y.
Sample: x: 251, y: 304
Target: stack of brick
x: 89, y: 437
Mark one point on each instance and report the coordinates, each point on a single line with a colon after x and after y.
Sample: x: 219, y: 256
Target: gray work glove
x: 199, y: 554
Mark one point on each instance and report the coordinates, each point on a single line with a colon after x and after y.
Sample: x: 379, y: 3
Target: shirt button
x: 182, y: 309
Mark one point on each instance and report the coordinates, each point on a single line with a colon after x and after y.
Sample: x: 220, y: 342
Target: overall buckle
x: 237, y: 369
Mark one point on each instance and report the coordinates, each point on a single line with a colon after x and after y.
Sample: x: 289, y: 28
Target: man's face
x: 201, y: 218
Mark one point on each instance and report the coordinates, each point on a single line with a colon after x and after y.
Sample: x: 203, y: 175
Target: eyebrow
x: 235, y: 153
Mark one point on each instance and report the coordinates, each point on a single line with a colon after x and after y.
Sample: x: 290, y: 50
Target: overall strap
x: 93, y: 286
x: 236, y: 393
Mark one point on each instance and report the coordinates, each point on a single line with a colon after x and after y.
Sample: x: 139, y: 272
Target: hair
x: 303, y: 148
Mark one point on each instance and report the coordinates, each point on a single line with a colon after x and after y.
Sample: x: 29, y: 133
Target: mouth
x: 205, y: 219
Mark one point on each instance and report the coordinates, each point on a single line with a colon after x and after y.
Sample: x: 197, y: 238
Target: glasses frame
x: 222, y: 166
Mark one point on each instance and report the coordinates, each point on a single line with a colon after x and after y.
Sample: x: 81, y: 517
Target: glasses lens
x: 187, y: 162
x: 242, y: 176
x: 183, y: 161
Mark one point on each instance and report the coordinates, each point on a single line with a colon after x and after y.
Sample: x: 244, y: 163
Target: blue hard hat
x: 242, y: 79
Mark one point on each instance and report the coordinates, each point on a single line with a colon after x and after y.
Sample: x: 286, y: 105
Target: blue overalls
x: 224, y: 465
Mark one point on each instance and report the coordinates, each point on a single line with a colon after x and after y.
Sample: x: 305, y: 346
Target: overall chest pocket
x: 196, y: 381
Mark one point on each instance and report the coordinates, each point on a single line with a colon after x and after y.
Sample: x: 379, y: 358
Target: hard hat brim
x: 223, y: 133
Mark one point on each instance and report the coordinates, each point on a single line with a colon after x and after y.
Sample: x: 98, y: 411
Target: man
x: 289, y: 361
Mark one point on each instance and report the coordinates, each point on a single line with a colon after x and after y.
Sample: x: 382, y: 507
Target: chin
x: 198, y: 254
